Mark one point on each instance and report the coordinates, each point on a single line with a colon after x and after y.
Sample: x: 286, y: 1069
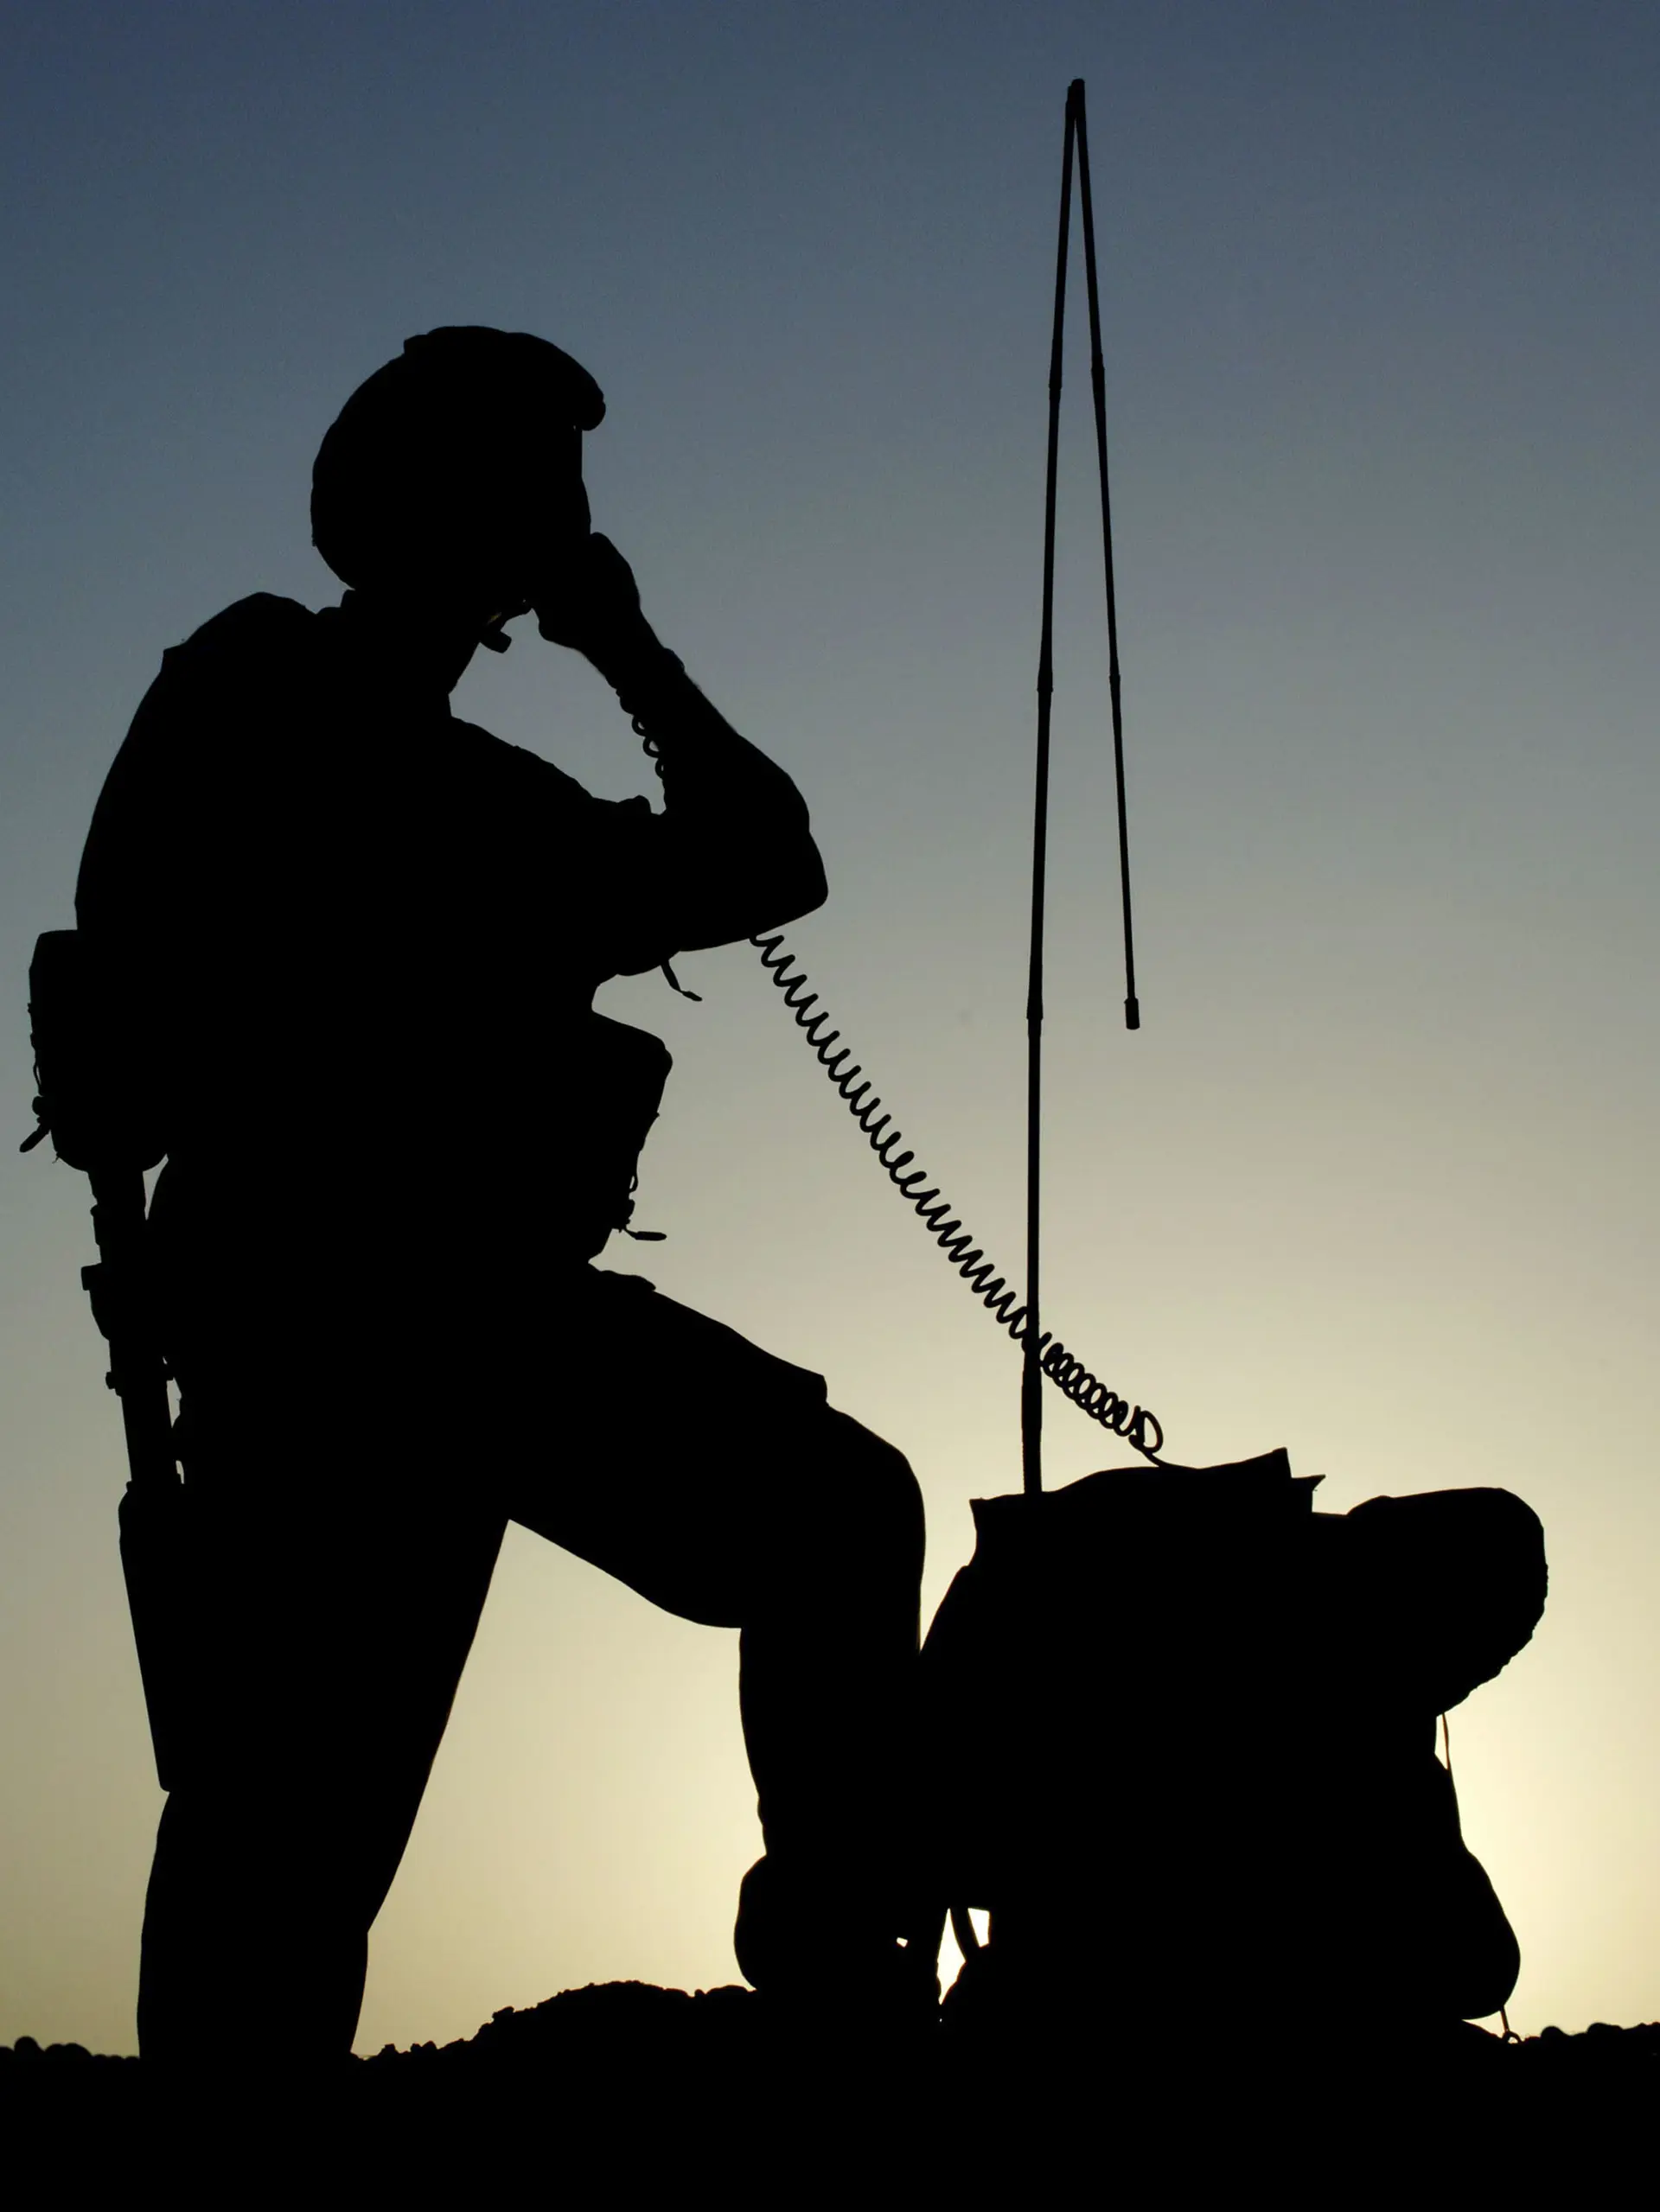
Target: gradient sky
x: 1373, y: 1180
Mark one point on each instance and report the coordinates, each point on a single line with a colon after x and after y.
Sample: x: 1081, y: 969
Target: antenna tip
x: 1132, y: 1013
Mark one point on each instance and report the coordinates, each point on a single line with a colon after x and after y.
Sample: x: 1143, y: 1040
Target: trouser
x: 349, y: 1480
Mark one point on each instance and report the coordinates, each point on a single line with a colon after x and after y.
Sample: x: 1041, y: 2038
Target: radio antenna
x: 1031, y: 1381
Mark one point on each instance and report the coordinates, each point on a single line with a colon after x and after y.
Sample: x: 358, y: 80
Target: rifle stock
x: 96, y: 1102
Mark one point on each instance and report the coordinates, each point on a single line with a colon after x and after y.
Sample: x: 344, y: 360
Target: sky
x: 1373, y: 1182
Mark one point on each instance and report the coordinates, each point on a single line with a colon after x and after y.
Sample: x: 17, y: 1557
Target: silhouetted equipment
x: 627, y: 1071
x: 1181, y: 1719
x: 100, y: 1102
x: 1184, y: 1729
x: 1031, y: 1389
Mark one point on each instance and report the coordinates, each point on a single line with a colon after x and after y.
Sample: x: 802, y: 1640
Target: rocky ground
x: 632, y: 2089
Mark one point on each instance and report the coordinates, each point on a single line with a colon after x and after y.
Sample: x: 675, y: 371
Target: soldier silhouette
x: 368, y: 934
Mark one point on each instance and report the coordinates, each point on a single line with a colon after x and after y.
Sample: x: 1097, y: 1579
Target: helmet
x: 409, y: 480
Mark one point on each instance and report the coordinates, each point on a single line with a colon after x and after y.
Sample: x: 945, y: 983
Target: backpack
x: 1185, y: 1728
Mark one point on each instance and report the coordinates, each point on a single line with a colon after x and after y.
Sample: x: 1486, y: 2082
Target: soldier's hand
x: 592, y: 603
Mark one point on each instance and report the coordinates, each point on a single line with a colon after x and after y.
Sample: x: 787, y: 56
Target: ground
x: 634, y: 2089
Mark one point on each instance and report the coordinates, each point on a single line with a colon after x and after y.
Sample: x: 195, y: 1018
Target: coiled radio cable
x: 1137, y: 1424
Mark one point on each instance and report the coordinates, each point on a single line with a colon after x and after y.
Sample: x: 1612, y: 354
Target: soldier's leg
x: 717, y: 1481
x: 826, y: 1685
x: 339, y: 1590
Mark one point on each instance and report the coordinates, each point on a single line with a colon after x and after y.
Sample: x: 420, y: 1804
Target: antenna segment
x: 1031, y: 1381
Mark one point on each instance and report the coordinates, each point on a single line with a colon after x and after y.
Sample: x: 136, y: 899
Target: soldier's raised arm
x: 734, y: 852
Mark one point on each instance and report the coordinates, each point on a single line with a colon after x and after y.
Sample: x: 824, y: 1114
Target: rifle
x: 101, y: 1111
